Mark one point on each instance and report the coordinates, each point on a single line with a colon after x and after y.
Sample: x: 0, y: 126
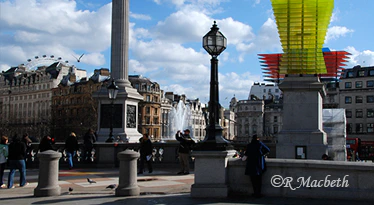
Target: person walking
x: 145, y: 153
x: 71, y: 146
x: 3, y: 156
x: 256, y: 167
x: 88, y: 141
x: 16, y: 157
x: 46, y: 144
x: 185, y: 146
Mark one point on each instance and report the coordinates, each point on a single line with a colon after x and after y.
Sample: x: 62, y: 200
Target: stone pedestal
x: 48, y: 174
x: 302, y: 118
x: 127, y: 185
x: 211, y: 174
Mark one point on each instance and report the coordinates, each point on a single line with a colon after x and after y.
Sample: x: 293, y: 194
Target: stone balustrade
x: 308, y: 179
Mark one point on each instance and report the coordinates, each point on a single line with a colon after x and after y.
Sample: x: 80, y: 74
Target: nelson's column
x: 120, y: 113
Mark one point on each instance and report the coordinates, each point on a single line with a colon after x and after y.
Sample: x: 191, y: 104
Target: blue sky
x: 165, y: 38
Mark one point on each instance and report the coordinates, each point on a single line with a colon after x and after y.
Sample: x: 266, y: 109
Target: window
x: 370, y: 113
x: 275, y: 129
x: 361, y: 73
x: 358, y: 99
x: 264, y: 90
x: 348, y: 113
x: 148, y: 98
x: 348, y: 100
x: 350, y: 74
x: 359, y: 113
x: 370, y: 99
x: 156, y: 111
x: 370, y: 83
x: 371, y: 72
x: 370, y: 128
x: 359, y: 128
x: 348, y: 84
x: 358, y: 84
x: 275, y: 118
x: 349, y: 128
x: 148, y: 110
x: 276, y: 90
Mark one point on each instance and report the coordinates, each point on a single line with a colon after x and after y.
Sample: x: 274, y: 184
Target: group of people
x: 185, y: 146
x: 14, y: 154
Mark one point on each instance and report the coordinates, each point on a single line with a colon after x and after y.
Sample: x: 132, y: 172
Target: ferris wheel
x: 44, y: 60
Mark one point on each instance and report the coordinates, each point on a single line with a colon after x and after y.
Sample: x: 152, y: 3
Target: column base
x: 54, y: 191
x: 128, y: 191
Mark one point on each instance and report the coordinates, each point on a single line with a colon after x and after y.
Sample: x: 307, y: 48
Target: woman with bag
x: 255, y: 157
x: 3, y: 156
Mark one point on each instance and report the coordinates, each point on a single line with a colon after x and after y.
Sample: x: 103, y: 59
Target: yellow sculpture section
x: 302, y: 27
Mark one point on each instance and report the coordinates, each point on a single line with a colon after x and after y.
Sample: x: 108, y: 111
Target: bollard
x: 127, y: 185
x: 48, y: 174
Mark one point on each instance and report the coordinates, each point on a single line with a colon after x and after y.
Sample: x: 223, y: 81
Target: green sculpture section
x: 302, y: 27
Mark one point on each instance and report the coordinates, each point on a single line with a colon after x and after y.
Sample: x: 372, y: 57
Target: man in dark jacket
x: 145, y: 153
x: 16, y: 158
x: 184, y: 150
x: 256, y: 163
x: 88, y: 140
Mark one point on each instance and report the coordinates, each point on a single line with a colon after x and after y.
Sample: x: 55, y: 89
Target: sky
x: 166, y: 39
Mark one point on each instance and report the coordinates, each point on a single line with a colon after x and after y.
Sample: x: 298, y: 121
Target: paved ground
x: 163, y: 186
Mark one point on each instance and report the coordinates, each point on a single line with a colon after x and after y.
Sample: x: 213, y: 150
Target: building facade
x: 73, y: 107
x: 150, y: 108
x: 356, y: 95
x: 26, y: 97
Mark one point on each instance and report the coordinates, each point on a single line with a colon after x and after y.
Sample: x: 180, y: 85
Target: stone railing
x: 105, y: 154
x: 307, y: 178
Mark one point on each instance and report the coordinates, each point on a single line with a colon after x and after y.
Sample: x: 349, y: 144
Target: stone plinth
x: 48, y: 174
x: 211, y: 174
x: 127, y: 185
x: 302, y: 118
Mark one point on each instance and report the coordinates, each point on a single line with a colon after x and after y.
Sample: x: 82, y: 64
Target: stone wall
x: 357, y: 176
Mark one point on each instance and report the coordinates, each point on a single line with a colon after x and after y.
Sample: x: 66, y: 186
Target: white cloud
x: 363, y: 58
x: 53, y: 28
x: 140, y: 16
x: 336, y: 32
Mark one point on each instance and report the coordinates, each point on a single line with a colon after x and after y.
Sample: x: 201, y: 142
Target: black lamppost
x: 112, y: 91
x: 214, y: 42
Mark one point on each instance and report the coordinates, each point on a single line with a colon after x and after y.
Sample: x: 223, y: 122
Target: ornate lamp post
x: 214, y: 42
x: 112, y: 91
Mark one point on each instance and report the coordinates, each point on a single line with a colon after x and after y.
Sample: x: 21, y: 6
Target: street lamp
x: 112, y: 92
x: 214, y: 42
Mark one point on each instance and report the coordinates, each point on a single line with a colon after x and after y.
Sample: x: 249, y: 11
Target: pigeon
x: 112, y: 186
x: 70, y: 189
x: 90, y: 181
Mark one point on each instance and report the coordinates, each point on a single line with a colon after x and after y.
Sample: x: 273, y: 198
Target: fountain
x: 179, y: 119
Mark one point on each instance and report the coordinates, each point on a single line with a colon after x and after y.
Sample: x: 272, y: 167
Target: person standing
x: 88, y: 141
x: 185, y: 145
x: 145, y: 153
x: 3, y: 156
x: 71, y: 146
x: 16, y: 157
x: 256, y: 166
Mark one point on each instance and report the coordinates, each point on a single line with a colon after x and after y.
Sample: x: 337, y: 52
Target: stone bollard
x: 128, y: 184
x: 48, y: 174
